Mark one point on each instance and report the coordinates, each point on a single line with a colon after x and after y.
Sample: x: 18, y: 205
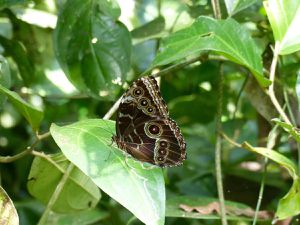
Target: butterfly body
x: 144, y: 128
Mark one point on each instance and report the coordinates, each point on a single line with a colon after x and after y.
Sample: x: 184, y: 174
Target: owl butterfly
x: 144, y: 128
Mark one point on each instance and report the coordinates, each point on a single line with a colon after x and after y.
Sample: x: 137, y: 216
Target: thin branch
x: 291, y: 114
x: 8, y: 159
x: 28, y: 150
x: 178, y: 66
x: 230, y: 140
x: 112, y: 110
x: 216, y: 9
x: 271, y: 87
x: 218, y: 148
x: 270, y: 144
x: 55, y: 195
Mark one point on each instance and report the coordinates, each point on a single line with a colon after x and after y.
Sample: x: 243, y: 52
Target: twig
x: 271, y: 87
x: 178, y: 66
x: 218, y: 149
x: 291, y: 114
x: 28, y: 150
x: 216, y: 9
x: 230, y: 140
x: 56, y: 194
x: 112, y: 110
x: 270, y: 144
x: 8, y: 159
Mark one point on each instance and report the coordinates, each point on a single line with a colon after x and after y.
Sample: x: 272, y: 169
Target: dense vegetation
x: 228, y: 71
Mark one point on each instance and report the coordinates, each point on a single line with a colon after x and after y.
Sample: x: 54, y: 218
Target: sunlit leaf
x: 226, y: 37
x: 89, y: 146
x: 284, y: 17
x: 234, y: 6
x: 78, y: 193
x: 8, y: 213
x: 32, y: 115
x: 92, y: 47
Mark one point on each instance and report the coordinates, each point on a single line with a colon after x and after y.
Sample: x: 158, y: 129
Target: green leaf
x: 8, y: 3
x: 4, y: 76
x: 289, y: 205
x: 88, y: 144
x: 289, y: 128
x: 226, y: 37
x: 149, y: 30
x: 32, y: 115
x: 81, y: 217
x: 78, y: 193
x: 284, y: 17
x: 18, y: 52
x: 8, y: 212
x: 173, y: 208
x: 275, y: 156
x: 92, y: 47
x: 234, y: 6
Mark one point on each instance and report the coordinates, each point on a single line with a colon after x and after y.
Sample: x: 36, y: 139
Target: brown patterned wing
x: 144, y: 129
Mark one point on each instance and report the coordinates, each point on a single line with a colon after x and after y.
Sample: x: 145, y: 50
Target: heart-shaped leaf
x: 88, y: 144
x: 92, y: 47
x: 226, y: 37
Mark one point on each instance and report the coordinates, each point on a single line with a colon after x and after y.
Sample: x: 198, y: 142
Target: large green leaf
x: 78, y: 193
x: 32, y: 115
x: 234, y: 6
x: 284, y: 17
x: 4, y: 76
x: 92, y: 47
x: 226, y: 37
x: 8, y: 212
x: 289, y: 205
x: 89, y: 146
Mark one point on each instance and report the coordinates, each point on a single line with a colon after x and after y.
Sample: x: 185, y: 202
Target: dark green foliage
x: 63, y: 65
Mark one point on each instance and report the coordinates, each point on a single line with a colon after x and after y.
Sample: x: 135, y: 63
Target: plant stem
x: 216, y: 9
x: 271, y: 87
x: 28, y: 150
x: 112, y: 110
x: 270, y: 144
x: 218, y: 149
x: 8, y: 159
x: 56, y: 194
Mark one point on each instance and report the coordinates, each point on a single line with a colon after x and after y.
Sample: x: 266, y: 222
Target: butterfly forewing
x: 144, y: 129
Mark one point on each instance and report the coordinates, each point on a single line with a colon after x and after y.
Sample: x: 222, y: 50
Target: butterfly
x: 144, y: 128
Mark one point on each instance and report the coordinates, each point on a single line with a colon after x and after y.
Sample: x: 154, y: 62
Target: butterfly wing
x: 144, y: 128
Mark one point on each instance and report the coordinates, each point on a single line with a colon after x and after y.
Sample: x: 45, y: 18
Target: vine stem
x: 271, y: 92
x: 56, y: 194
x: 270, y: 144
x: 218, y: 149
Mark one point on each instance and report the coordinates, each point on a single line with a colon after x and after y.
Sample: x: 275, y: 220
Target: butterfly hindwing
x: 144, y: 129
